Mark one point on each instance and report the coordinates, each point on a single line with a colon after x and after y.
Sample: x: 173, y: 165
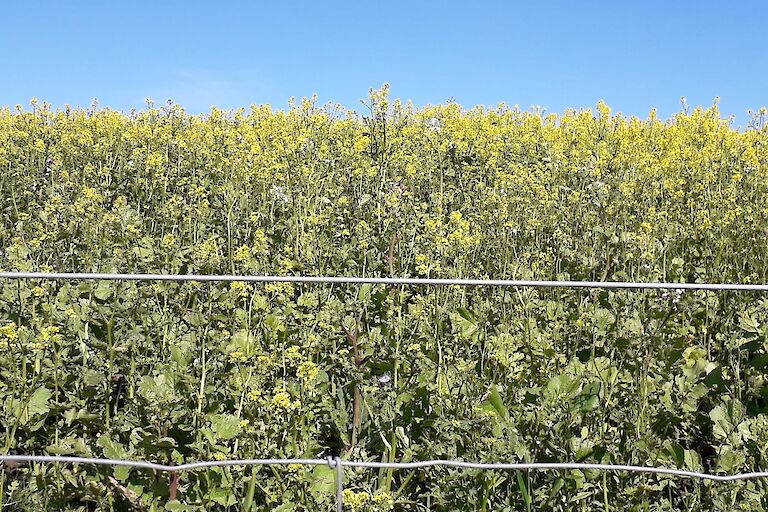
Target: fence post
x: 339, y: 485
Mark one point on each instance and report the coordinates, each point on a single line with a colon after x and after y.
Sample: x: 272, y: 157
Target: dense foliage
x: 180, y: 372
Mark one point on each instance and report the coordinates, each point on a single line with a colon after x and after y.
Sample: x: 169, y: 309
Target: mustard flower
x: 169, y: 241
x: 355, y: 500
x: 242, y: 254
x: 307, y: 371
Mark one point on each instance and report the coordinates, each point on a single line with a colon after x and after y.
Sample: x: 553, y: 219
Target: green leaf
x: 114, y: 450
x: 581, y: 447
x: 749, y: 324
x: 467, y: 323
x: 495, y: 404
x: 676, y: 452
x: 158, y: 389
x: 225, y: 426
x: 692, y: 460
x: 121, y: 473
x: 521, y: 485
x: 323, y: 480
x: 274, y: 323
x: 634, y: 325
x: 730, y: 460
x: 92, y: 378
x: 175, y: 506
x: 223, y: 496
x: 589, y: 398
x: 144, y: 253
x: 38, y: 402
x: 103, y: 290
x: 242, y: 341
x: 604, y: 319
x: 726, y: 418
x: 308, y: 300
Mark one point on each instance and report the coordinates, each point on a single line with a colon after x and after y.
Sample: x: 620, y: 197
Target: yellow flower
x: 307, y: 371
x: 294, y: 468
x: 242, y: 254
x: 265, y: 361
x: 259, y: 242
x: 239, y: 289
x: 282, y: 400
x: 169, y: 241
x: 355, y: 500
x: 237, y: 356
x: 413, y: 348
x: 8, y: 334
x: 433, y: 224
x: 207, y: 251
x: 49, y: 334
x: 361, y: 144
x: 279, y: 288
x: 383, y: 499
x: 293, y: 354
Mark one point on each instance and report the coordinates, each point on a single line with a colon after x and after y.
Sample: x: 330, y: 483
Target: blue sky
x: 634, y: 55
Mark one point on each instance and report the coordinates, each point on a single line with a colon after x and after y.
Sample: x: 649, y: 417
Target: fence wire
x: 339, y: 464
x: 336, y: 462
x: 405, y: 281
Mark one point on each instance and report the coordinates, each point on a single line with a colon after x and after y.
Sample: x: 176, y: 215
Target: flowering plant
x: 180, y: 372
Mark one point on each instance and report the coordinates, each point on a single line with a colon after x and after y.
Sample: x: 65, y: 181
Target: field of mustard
x: 181, y: 372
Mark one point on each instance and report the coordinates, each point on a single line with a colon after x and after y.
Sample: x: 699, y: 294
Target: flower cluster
x: 8, y: 335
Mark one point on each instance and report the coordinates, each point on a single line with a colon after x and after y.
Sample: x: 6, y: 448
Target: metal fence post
x: 339, y: 485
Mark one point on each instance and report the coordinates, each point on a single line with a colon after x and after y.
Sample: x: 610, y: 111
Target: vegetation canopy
x: 181, y: 372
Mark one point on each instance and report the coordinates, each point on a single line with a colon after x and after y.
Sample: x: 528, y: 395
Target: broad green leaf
x: 749, y: 324
x: 323, y: 480
x: 223, y: 496
x: 175, y: 506
x: 158, y: 389
x: 603, y: 320
x: 730, y: 460
x: 726, y: 418
x: 38, y: 402
x: 225, y: 426
x: 274, y: 323
x: 467, y: 323
x: 589, y: 398
x: 114, y: 450
x: 103, y: 290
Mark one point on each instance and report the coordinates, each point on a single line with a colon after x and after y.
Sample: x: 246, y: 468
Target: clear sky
x: 554, y: 54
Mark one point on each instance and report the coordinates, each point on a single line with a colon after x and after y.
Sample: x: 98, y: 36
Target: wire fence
x: 338, y: 463
x: 392, y: 281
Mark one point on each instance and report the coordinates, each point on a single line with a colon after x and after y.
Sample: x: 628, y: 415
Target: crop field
x: 178, y: 372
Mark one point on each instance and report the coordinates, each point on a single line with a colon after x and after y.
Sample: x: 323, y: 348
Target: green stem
x: 248, y: 501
